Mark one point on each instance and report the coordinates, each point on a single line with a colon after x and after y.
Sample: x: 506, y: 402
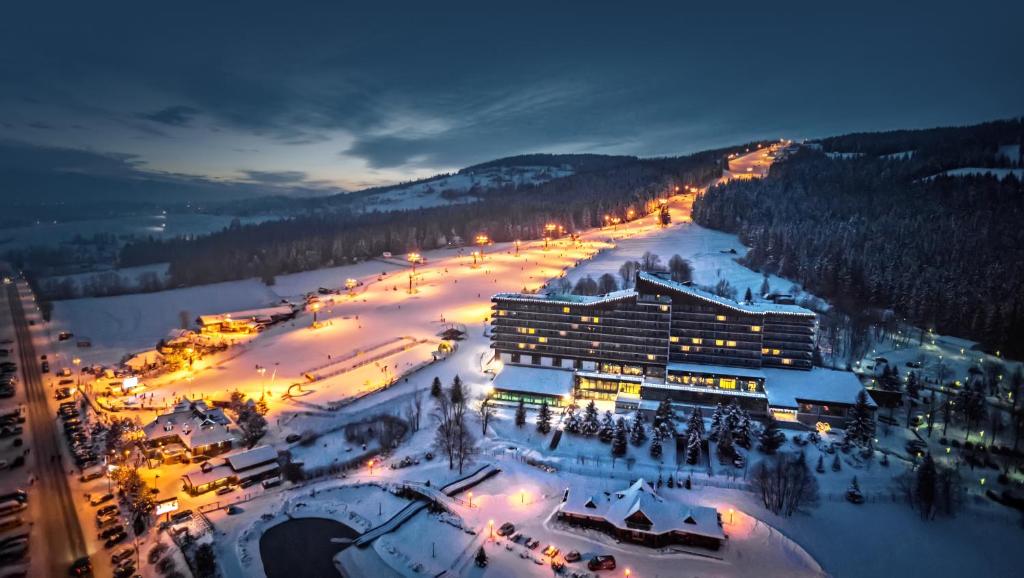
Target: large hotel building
x: 664, y: 339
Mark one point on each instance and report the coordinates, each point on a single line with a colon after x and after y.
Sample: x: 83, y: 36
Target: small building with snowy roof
x: 638, y: 514
x: 243, y: 467
x: 533, y: 385
x: 194, y: 426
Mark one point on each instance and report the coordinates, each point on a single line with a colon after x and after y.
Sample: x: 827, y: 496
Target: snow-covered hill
x: 458, y: 188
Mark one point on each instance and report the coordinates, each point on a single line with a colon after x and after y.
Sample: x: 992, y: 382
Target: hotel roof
x: 539, y: 380
x: 567, y: 299
x: 752, y: 308
x: 716, y: 370
x: 787, y: 388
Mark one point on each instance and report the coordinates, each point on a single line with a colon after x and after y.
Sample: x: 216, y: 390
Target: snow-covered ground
x: 459, y: 187
x: 998, y: 173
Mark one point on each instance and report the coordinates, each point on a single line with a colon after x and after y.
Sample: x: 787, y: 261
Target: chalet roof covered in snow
x: 787, y: 388
x: 253, y: 457
x: 715, y: 370
x: 194, y: 423
x: 247, y: 315
x: 640, y: 508
x: 540, y: 380
x: 752, y: 308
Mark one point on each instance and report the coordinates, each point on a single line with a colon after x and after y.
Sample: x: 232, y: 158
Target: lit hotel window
x: 585, y: 319
x: 765, y: 350
x: 696, y: 340
x: 532, y: 346
x: 562, y: 333
x: 664, y: 307
x: 719, y: 342
x: 542, y: 339
x: 787, y: 362
x: 684, y: 347
x: 502, y: 312
x: 720, y: 317
x: 730, y: 343
x: 674, y: 339
x: 755, y: 328
x: 595, y: 344
x: 727, y: 383
x: 532, y: 331
x: 776, y: 352
x: 650, y: 357
x: 565, y: 309
x: 521, y: 345
x: 597, y: 320
x: 751, y: 386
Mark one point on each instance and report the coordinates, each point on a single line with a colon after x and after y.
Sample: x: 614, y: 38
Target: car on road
x: 64, y: 335
x: 19, y: 495
x: 605, y: 562
x: 81, y: 567
x: 97, y: 500
x: 573, y: 556
x: 234, y: 510
x: 506, y: 529
x: 225, y: 490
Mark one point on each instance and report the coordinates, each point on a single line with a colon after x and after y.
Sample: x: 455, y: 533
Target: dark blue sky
x: 287, y: 96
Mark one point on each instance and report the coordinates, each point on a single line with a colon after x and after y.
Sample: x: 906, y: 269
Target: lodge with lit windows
x: 665, y: 340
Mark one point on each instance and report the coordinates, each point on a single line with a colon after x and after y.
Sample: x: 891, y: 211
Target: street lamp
x: 522, y: 496
x: 490, y: 524
x: 77, y: 361
x: 413, y: 258
x: 471, y: 499
x: 316, y: 308
x: 351, y: 285
x: 628, y: 572
x: 731, y: 513
x: 263, y: 382
x: 370, y: 464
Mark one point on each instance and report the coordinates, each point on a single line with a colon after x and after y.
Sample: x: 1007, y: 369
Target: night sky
x: 243, y: 98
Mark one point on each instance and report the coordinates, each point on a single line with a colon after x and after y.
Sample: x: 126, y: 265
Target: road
x: 59, y: 524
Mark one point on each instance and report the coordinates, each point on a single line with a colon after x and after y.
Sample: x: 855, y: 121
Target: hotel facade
x: 665, y: 340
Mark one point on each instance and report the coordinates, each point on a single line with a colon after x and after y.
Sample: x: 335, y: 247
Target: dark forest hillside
x: 945, y: 253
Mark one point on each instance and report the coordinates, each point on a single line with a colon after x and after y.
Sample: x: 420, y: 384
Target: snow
x: 721, y: 369
x: 786, y: 387
x: 973, y: 171
x: 428, y: 193
x: 1010, y: 152
x: 535, y: 380
x: 843, y: 156
x: 899, y: 156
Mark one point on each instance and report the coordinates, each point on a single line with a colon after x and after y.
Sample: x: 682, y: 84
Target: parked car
x: 111, y: 531
x: 64, y: 335
x: 19, y: 495
x: 506, y: 529
x: 572, y: 556
x: 532, y: 544
x: 115, y: 539
x: 122, y: 555
x: 605, y: 562
x: 45, y: 367
x: 81, y: 567
x: 178, y: 517
x: 292, y: 438
x: 271, y: 482
x: 225, y: 490
x: 125, y: 570
x: 107, y: 510
x: 97, y: 500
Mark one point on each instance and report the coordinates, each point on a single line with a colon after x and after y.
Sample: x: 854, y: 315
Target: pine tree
x: 726, y: 449
x: 836, y: 464
x: 748, y: 297
x: 607, y: 431
x: 698, y: 422
x: 638, y: 433
x: 913, y: 385
x: 521, y: 414
x: 544, y: 418
x: 572, y: 419
x: 771, y: 438
x: 619, y: 442
x: 821, y: 465
x: 481, y: 557
x: 458, y: 395
x: 656, y: 448
x: 693, y: 448
x: 590, y: 424
x: 861, y: 427
x: 435, y: 388
x: 855, y: 485
x: 765, y: 287
x: 741, y: 433
x: 664, y: 416
x: 716, y: 422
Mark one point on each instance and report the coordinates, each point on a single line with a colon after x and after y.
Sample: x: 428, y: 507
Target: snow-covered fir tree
x: 620, y: 438
x: 638, y: 432
x: 521, y: 414
x: 861, y: 427
x: 572, y: 422
x: 664, y: 417
x: 741, y: 432
x: 716, y: 422
x: 693, y: 447
x: 590, y: 425
x: 544, y: 418
x: 656, y: 447
x: 607, y: 431
x: 725, y: 447
x: 771, y: 438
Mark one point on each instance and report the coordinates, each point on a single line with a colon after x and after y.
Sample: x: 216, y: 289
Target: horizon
x: 240, y: 105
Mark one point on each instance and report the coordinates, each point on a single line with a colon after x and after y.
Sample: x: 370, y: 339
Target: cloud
x: 275, y: 177
x: 179, y: 115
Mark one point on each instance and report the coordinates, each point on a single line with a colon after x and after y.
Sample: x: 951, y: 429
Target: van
x: 90, y: 474
x: 271, y: 482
